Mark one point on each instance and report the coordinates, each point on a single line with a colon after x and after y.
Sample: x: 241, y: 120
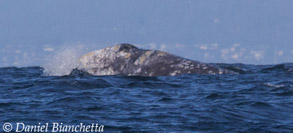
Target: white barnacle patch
x: 136, y: 62
x: 188, y: 62
x: 122, y: 53
x: 130, y: 74
x: 211, y: 72
x: 109, y: 71
x: 175, y: 73
x: 122, y: 67
x: 138, y: 70
x: 151, y: 74
x: 180, y: 65
x: 185, y: 64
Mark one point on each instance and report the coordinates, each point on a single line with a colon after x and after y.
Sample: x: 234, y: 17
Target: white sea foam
x: 64, y: 60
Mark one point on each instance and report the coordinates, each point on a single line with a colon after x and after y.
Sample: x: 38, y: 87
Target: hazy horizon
x: 213, y: 31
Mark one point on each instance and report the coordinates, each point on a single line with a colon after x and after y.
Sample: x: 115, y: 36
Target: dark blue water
x: 259, y: 99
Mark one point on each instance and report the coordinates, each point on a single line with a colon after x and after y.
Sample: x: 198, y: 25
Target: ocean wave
x: 257, y: 100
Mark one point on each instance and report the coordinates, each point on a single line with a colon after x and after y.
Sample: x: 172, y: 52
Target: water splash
x: 64, y: 60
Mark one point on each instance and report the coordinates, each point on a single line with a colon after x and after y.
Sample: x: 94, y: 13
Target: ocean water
x: 258, y: 99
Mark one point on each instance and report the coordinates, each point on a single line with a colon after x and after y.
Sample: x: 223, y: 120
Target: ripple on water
x: 257, y: 100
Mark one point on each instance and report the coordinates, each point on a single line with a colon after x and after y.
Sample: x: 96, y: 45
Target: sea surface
x: 258, y: 99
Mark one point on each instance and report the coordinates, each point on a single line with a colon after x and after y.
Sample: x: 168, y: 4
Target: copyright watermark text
x: 52, y: 127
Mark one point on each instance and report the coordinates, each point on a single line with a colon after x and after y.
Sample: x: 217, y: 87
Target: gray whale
x: 128, y: 60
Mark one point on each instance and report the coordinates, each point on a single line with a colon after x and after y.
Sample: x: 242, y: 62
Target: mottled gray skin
x: 126, y: 59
